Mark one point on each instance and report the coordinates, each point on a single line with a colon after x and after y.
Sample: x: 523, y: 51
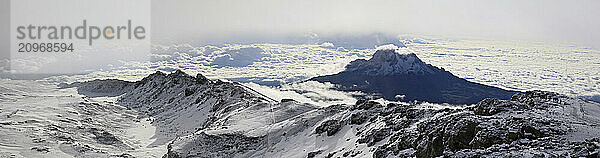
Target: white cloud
x: 327, y: 45
x: 311, y: 92
x: 30, y: 64
x: 271, y: 20
x: 387, y: 47
x: 565, y: 69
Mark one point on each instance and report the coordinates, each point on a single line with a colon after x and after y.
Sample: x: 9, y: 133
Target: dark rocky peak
x: 398, y: 74
x: 201, y: 78
x: 176, y: 77
x: 392, y: 56
x: 391, y: 61
x: 156, y: 74
x: 178, y: 73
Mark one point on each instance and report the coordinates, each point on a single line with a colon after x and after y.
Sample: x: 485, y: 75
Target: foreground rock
x: 533, y: 124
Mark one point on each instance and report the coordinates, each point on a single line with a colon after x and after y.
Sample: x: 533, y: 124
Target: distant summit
x: 387, y: 61
x: 393, y: 72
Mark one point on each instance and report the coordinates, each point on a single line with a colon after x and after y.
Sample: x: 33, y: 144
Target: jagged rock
x: 359, y: 117
x: 537, y: 98
x: 314, y: 154
x: 491, y: 106
x: 493, y: 127
x: 41, y: 149
x: 367, y: 105
x: 375, y: 136
x: 329, y: 126
x: 104, y: 137
x: 459, y: 135
x: 201, y: 79
x: 125, y: 155
x: 360, y: 101
x: 286, y: 100
x: 223, y: 145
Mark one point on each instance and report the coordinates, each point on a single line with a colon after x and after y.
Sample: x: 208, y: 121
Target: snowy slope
x: 246, y: 124
x: 39, y: 119
x: 180, y: 104
x: 533, y: 124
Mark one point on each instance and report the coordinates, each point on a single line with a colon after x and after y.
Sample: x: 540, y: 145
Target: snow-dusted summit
x: 391, y: 61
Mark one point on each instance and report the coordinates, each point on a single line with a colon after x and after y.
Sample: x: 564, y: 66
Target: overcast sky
x: 536, y: 20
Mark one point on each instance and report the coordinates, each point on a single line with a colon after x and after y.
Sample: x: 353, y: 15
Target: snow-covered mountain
x: 398, y: 74
x: 180, y: 104
x: 206, y: 118
x: 390, y: 60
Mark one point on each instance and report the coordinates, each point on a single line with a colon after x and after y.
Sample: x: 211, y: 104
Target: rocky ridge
x: 207, y: 118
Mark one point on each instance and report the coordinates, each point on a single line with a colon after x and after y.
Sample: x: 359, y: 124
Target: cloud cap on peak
x: 387, y: 47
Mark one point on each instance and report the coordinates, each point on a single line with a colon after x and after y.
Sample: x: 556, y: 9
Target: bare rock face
x: 529, y: 124
x: 491, y: 106
x: 222, y: 145
x: 329, y: 126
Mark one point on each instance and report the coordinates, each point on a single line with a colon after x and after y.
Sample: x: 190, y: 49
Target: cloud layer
x: 273, y: 20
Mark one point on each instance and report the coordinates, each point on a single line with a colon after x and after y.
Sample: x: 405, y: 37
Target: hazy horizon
x: 266, y: 20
